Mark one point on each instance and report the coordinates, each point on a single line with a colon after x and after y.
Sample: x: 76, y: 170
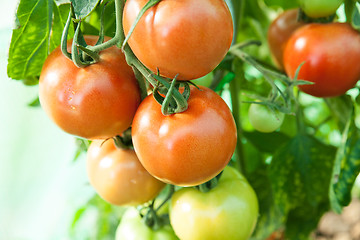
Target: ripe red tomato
x: 186, y: 148
x: 331, y: 53
x: 186, y: 37
x: 98, y: 101
x: 280, y: 31
x: 118, y: 176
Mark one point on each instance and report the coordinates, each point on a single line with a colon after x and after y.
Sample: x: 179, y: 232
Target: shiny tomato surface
x: 186, y: 148
x: 98, y: 101
x: 118, y: 176
x: 185, y: 37
x: 331, y: 55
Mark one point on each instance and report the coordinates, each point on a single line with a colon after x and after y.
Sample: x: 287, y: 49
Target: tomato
x: 228, y: 211
x: 132, y: 227
x: 186, y: 148
x: 118, y: 176
x: 331, y: 53
x: 186, y: 37
x: 280, y: 31
x: 95, y: 102
x: 263, y: 119
x: 319, y: 8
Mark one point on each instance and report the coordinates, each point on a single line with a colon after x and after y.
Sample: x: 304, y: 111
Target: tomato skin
x: 131, y: 227
x: 331, y: 53
x: 319, y: 8
x: 118, y: 176
x: 228, y: 211
x: 280, y: 31
x: 187, y: 148
x: 263, y: 119
x: 190, y: 43
x: 95, y: 102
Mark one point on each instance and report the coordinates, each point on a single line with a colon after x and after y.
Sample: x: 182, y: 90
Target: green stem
x: 349, y: 10
x: 119, y: 34
x: 168, y: 197
x: 236, y: 109
x: 147, y: 6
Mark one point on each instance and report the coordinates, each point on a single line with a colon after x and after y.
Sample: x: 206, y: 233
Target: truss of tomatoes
x: 102, y: 100
x: 329, y: 52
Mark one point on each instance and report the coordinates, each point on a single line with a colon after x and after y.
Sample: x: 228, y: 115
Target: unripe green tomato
x: 263, y: 119
x: 132, y: 227
x: 319, y: 8
x: 227, y: 212
x: 205, y: 80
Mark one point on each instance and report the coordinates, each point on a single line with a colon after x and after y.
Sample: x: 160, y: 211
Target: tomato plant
x: 228, y: 211
x: 330, y: 53
x: 189, y: 142
x: 280, y: 31
x: 263, y: 119
x: 118, y: 176
x: 98, y: 101
x: 132, y: 227
x: 190, y: 43
x: 320, y: 8
x: 186, y: 136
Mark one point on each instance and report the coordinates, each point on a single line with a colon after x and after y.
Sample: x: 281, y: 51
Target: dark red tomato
x: 187, y: 148
x: 118, y: 176
x: 187, y: 37
x: 95, y: 102
x: 331, y: 53
x: 280, y: 31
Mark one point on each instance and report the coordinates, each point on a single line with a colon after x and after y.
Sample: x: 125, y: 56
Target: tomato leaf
x: 300, y: 174
x: 341, y: 109
x: 266, y: 142
x: 347, y: 167
x: 30, y: 40
x: 61, y: 14
x: 82, y: 8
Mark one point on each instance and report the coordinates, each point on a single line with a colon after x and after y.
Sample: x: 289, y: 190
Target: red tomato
x: 118, y: 176
x: 331, y: 53
x: 187, y: 148
x: 186, y: 37
x: 98, y: 101
x: 280, y: 31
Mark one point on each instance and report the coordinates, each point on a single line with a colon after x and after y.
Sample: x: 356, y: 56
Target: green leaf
x: 266, y: 142
x: 82, y: 146
x: 341, y: 109
x: 286, y: 4
x: 34, y: 103
x: 347, y: 167
x: 30, y: 40
x: 61, y: 14
x: 271, y: 217
x: 300, y: 173
x: 356, y: 17
x: 82, y: 8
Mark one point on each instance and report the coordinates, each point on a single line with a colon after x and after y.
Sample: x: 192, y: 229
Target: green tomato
x: 228, y: 211
x: 132, y: 227
x: 263, y: 119
x: 319, y: 8
x: 205, y: 80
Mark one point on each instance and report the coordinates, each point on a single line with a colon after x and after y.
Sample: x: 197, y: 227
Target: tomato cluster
x: 327, y: 53
x: 103, y: 100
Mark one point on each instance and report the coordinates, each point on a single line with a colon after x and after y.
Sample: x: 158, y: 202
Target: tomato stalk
x: 151, y: 218
x: 147, y: 6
